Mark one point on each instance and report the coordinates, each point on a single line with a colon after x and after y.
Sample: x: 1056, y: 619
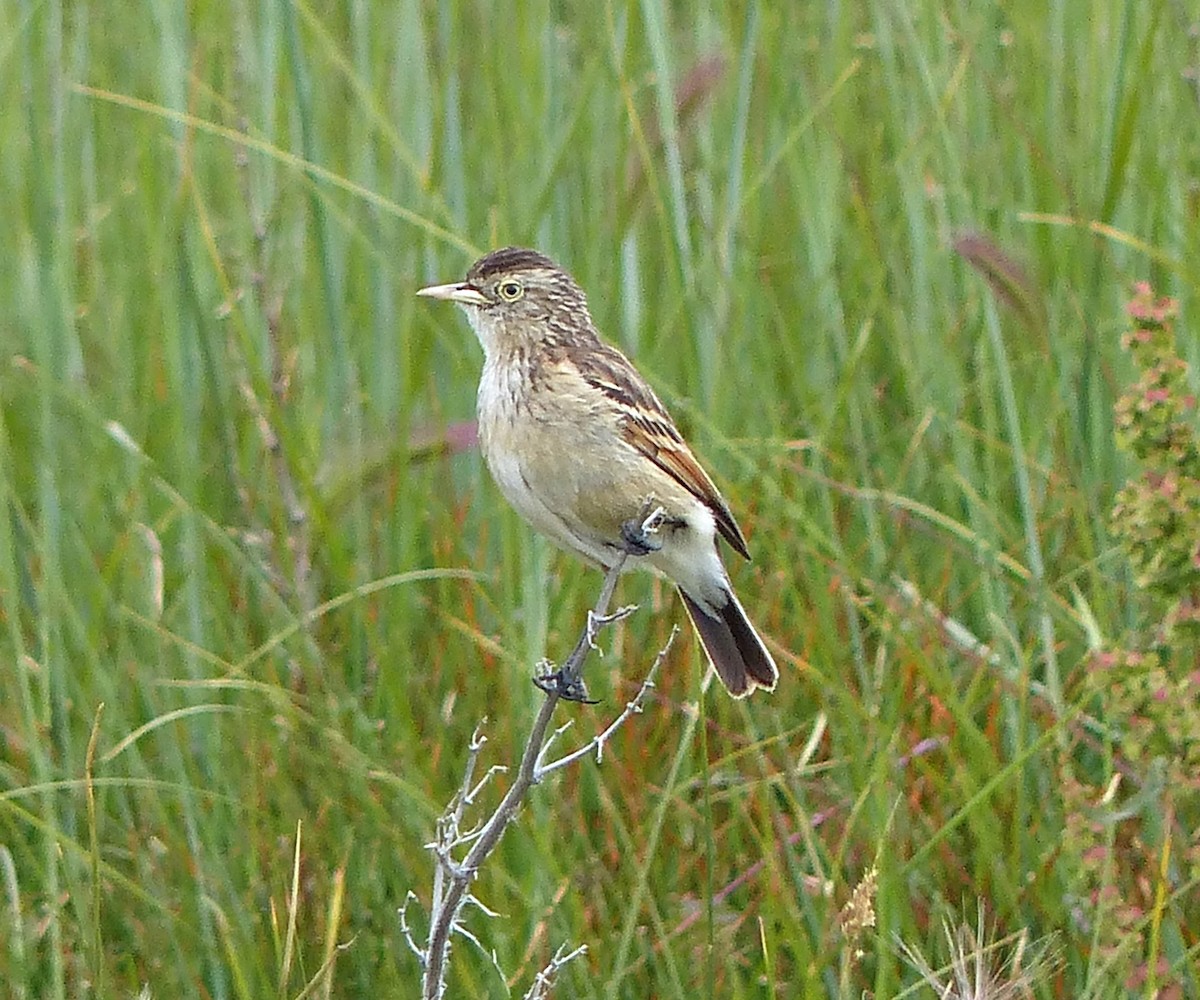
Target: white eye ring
x: 510, y: 290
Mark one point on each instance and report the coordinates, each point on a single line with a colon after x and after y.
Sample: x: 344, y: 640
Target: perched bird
x: 580, y: 445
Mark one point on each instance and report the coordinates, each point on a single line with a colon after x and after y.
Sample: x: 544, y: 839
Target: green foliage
x: 256, y: 590
x: 1147, y: 687
x: 1157, y: 515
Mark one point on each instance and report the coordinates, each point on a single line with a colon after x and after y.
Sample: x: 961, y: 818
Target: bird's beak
x: 459, y: 292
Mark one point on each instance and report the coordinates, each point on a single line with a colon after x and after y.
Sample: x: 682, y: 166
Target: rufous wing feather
x: 648, y: 427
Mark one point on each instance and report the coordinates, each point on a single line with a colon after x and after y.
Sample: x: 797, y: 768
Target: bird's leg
x: 640, y: 535
x: 567, y: 682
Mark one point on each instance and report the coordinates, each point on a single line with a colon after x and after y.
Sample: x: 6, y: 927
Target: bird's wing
x: 648, y: 427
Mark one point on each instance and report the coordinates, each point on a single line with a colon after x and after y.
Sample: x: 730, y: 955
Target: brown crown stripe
x: 509, y: 259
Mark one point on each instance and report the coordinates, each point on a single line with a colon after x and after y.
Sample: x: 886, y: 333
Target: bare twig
x: 597, y: 742
x: 449, y: 826
x: 407, y: 931
x: 452, y: 878
x: 544, y: 980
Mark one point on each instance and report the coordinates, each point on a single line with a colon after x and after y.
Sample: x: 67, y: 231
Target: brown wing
x: 648, y: 427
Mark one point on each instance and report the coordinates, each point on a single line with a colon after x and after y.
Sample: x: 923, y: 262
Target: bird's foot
x: 569, y: 686
x: 640, y: 534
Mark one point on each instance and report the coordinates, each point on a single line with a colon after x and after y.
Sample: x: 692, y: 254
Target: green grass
x: 242, y: 549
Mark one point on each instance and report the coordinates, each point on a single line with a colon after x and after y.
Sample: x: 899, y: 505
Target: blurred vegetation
x: 256, y: 589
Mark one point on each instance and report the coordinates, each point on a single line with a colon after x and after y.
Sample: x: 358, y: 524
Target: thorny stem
x: 449, y: 825
x: 544, y: 980
x: 600, y: 740
x: 453, y: 879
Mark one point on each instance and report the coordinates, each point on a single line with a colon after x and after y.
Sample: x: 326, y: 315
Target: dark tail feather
x: 733, y: 647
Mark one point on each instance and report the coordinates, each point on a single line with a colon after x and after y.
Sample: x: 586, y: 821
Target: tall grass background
x: 257, y: 590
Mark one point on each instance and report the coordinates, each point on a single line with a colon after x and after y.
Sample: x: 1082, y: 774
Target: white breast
x: 503, y: 432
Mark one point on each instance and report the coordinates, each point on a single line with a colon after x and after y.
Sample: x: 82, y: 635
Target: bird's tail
x: 733, y: 647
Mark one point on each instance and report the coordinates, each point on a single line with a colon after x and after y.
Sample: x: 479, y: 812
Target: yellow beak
x: 459, y: 292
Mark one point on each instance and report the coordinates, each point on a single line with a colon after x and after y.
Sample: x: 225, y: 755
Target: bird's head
x: 517, y: 299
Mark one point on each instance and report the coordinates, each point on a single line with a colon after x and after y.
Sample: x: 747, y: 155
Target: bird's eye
x: 510, y: 290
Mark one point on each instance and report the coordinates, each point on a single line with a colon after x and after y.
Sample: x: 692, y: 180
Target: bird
x: 579, y: 444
